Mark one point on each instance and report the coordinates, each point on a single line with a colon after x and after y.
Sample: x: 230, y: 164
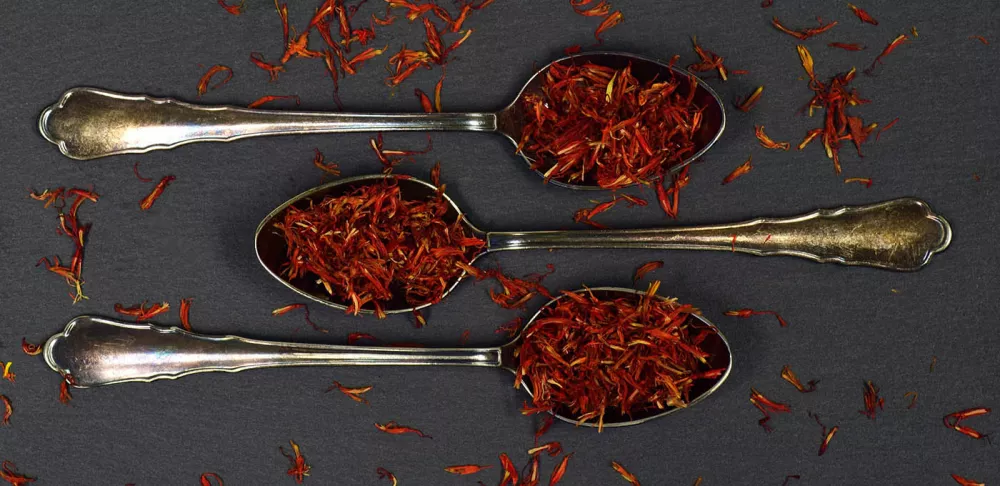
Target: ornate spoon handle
x: 98, y: 351
x: 902, y: 234
x: 88, y: 123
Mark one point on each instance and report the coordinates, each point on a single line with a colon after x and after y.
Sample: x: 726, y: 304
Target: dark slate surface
x: 846, y: 324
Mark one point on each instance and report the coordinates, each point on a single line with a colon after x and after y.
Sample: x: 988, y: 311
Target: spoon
x: 88, y: 123
x: 901, y: 234
x: 98, y: 351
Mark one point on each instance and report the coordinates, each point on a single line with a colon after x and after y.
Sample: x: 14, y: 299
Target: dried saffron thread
x: 647, y: 335
x: 592, y: 124
x: 141, y: 312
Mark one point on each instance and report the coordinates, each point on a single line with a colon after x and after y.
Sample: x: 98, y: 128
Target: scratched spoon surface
x: 98, y: 351
x: 901, y: 234
x: 89, y: 123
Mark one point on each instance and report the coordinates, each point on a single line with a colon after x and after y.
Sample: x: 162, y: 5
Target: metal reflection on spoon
x: 96, y: 351
x: 901, y: 234
x: 89, y: 123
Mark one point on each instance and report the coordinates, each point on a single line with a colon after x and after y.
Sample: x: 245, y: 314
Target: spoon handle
x: 98, y: 351
x: 901, y: 234
x: 88, y: 123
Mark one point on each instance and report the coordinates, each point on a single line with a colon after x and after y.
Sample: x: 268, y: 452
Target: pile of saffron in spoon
x: 592, y: 124
x: 370, y: 246
x: 586, y: 356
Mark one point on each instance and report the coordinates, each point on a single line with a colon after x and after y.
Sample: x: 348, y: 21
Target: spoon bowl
x: 511, y: 120
x: 97, y: 351
x: 901, y: 234
x: 89, y: 123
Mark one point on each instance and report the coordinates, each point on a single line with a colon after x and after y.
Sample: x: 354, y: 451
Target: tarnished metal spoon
x: 901, y: 234
x: 88, y: 123
x: 98, y: 351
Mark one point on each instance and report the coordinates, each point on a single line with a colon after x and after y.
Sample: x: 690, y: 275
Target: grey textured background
x: 846, y: 325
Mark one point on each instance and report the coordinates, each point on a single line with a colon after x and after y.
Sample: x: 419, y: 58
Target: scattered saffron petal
x: 609, y: 22
x: 185, y: 313
x: 624, y: 473
x: 30, y: 349
x: 766, y: 141
x: 560, y: 470
x: 980, y: 39
x: 646, y: 268
x: 574, y: 49
x: 788, y: 375
x: 966, y: 482
x: 886, y: 127
x: 466, y: 469
x: 271, y: 98
x: 790, y: 477
x: 509, y: 471
x: 298, y: 469
x: 352, y: 393
x: 203, y: 86
x: 9, y: 473
x: 746, y: 313
x: 395, y: 429
x: 804, y: 33
x: 899, y: 40
x: 861, y: 14
x: 846, y: 47
x: 8, y: 410
x: 7, y: 373
x: 384, y: 473
x: 872, y: 400
x: 862, y: 180
x: 135, y: 169
x: 142, y: 313
x: 745, y: 105
x: 64, y: 395
x: 147, y: 202
x: 913, y: 399
x: 233, y: 9
x: 766, y: 406
x: 329, y: 167
x: 206, y: 479
x: 737, y: 172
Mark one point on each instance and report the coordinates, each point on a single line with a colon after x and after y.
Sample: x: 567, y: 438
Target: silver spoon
x: 88, y: 123
x: 901, y: 234
x: 97, y: 351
